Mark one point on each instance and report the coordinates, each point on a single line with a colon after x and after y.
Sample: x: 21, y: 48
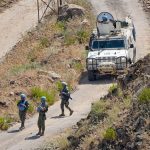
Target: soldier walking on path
x: 65, y: 96
x: 42, y: 109
x: 23, y: 106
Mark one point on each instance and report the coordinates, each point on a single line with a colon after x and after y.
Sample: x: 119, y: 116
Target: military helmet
x: 64, y: 83
x: 43, y: 98
x: 23, y: 96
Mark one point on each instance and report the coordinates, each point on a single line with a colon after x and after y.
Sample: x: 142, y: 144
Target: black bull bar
x: 95, y: 63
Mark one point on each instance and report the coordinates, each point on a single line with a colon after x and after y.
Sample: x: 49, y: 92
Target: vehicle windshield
x: 111, y: 44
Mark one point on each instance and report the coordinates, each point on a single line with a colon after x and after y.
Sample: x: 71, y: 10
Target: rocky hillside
x: 120, y: 120
x: 146, y: 4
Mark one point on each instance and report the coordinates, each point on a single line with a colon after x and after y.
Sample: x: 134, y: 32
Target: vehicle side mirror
x: 131, y: 46
x: 87, y: 48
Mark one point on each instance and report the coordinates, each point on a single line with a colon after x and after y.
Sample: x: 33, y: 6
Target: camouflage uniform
x: 65, y: 96
x: 22, y: 114
x: 42, y: 118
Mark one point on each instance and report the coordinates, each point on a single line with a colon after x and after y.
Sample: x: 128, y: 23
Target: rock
x: 85, y: 22
x: 74, y: 141
x: 11, y: 94
x: 69, y: 11
x: 50, y: 74
x: 54, y: 75
x: 12, y: 82
x: 139, y: 123
x: 3, y: 104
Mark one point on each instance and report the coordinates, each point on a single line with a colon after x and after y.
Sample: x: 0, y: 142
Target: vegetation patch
x: 37, y: 93
x: 22, y: 68
x: 110, y: 134
x: 113, y: 89
x: 144, y: 96
x: 5, y: 122
x: 98, y: 111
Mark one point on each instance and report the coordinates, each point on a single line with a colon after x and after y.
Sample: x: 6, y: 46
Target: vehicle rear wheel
x: 134, y: 56
x: 91, y: 76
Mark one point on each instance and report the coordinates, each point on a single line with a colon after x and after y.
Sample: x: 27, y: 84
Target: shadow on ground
x: 58, y: 117
x: 34, y: 137
x: 13, y: 131
x: 105, y: 79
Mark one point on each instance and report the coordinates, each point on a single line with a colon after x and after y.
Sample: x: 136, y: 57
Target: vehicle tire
x: 91, y: 76
x: 134, y: 56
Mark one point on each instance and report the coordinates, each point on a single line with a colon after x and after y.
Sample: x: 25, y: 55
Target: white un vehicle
x: 112, y: 46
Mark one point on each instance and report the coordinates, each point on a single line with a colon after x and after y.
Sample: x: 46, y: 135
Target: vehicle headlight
x: 123, y: 60
x: 91, y: 61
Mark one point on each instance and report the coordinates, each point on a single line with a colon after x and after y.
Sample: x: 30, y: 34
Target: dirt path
x: 87, y: 92
x: 81, y: 104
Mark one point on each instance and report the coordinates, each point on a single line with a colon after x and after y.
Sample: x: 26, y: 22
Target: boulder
x: 50, y: 74
x: 69, y: 11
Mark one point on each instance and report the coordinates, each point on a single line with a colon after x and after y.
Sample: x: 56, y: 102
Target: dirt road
x: 87, y: 92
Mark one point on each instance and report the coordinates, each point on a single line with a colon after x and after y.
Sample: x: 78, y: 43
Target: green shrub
x: 110, y: 134
x: 59, y: 86
x: 44, y: 42
x: 5, y: 122
x: 113, y: 89
x: 37, y: 92
x: 82, y: 36
x: 98, y: 107
x: 60, y: 26
x: 31, y: 108
x: 78, y: 66
x: 144, y: 96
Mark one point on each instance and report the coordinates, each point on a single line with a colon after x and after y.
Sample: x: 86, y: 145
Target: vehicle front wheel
x: 91, y: 76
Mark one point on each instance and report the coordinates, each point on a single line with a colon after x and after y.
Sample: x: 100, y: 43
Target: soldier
x: 42, y: 109
x: 65, y: 96
x: 23, y: 106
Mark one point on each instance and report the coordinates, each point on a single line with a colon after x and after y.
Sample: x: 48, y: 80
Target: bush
x: 82, y: 36
x: 31, y: 108
x: 37, y: 92
x: 78, y: 66
x: 98, y: 107
x: 60, y: 26
x: 113, y: 89
x: 5, y: 122
x: 44, y: 42
x: 110, y: 134
x: 59, y: 86
x: 98, y: 111
x: 144, y: 96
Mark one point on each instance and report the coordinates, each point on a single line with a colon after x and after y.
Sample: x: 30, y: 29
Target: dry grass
x: 44, y: 48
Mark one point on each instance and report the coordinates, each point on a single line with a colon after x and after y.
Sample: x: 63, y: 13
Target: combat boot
x: 71, y: 112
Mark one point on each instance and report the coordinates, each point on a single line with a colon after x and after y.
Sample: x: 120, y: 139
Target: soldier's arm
x: 27, y: 104
x: 18, y: 103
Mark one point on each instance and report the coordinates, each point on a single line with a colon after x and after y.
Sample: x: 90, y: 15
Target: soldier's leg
x: 21, y: 115
x: 67, y: 106
x: 39, y: 125
x: 23, y: 118
x: 43, y: 126
x: 62, y: 108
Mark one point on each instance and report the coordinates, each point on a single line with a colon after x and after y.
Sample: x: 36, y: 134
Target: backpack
x: 22, y: 106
